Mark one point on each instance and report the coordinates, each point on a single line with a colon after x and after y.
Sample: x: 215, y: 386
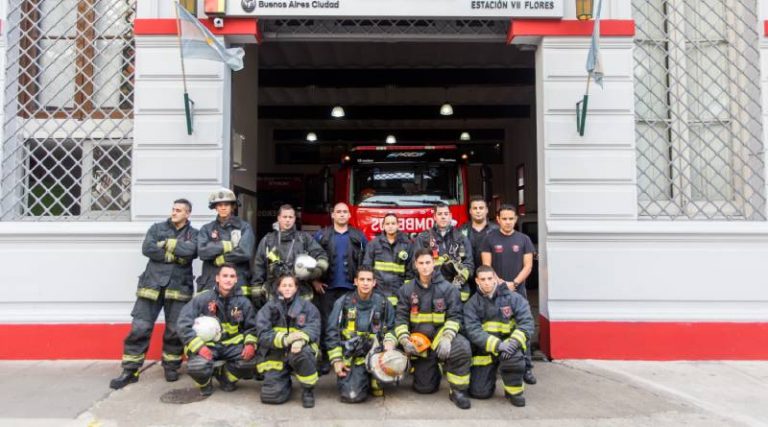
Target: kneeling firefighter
x: 236, y: 345
x: 288, y: 328
x: 499, y: 324
x: 430, y: 306
x: 358, y: 322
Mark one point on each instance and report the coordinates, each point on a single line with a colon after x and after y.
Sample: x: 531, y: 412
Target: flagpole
x: 187, y: 112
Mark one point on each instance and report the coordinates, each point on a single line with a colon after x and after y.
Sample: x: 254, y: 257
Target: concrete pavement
x: 569, y: 393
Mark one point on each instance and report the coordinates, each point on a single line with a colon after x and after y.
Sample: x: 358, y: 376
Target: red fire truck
x: 406, y: 180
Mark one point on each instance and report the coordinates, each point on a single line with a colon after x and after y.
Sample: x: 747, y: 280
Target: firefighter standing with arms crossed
x: 499, y: 324
x: 510, y: 254
x: 430, y: 307
x: 476, y: 229
x: 166, y: 284
x: 450, y: 249
x: 389, y: 255
x: 227, y: 239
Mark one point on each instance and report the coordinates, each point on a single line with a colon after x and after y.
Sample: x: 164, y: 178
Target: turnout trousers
x: 227, y: 364
x: 144, y: 313
x: 277, y: 373
x: 483, y: 375
x: 426, y: 372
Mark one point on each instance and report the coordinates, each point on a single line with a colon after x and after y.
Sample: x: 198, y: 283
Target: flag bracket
x: 581, y: 115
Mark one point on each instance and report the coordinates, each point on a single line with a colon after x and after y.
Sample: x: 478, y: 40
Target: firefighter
x: 476, y: 229
x: 289, y: 329
x: 360, y: 320
x: 227, y: 239
x: 345, y: 247
x: 389, y: 255
x: 499, y: 324
x: 276, y: 256
x: 510, y: 253
x: 429, y: 305
x: 237, y: 345
x: 166, y: 284
x: 450, y: 249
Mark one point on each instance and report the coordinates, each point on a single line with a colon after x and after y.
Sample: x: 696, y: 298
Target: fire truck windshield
x: 405, y: 184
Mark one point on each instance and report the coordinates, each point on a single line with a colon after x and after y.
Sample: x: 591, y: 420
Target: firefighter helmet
x: 207, y: 328
x: 387, y: 366
x: 420, y: 341
x: 303, y: 266
x: 221, y: 195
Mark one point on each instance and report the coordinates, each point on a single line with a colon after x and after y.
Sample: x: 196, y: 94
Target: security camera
x: 218, y: 22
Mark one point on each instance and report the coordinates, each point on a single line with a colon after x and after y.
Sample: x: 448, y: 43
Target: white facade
x: 599, y: 261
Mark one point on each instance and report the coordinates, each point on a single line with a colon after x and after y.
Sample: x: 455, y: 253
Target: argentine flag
x: 198, y: 42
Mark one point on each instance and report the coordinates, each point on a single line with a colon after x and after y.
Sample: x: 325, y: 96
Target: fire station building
x: 651, y: 227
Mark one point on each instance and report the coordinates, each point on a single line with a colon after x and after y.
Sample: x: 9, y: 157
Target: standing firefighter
x: 278, y: 253
x: 289, y: 329
x: 389, y: 255
x: 226, y: 306
x: 499, y: 324
x: 450, y: 249
x: 227, y: 239
x: 166, y: 284
x: 476, y: 229
x: 427, y: 325
x: 359, y: 321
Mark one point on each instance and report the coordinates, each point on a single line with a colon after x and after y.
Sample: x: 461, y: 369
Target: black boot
x: 129, y: 376
x: 207, y: 389
x: 307, y: 398
x: 516, y: 400
x: 528, y: 377
x: 460, y: 399
x: 171, y: 374
x: 224, y: 382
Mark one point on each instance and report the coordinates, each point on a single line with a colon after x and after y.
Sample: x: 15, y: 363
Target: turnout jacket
x: 428, y: 310
x: 277, y: 253
x: 279, y: 317
x: 490, y: 320
x: 351, y: 316
x: 389, y: 263
x: 169, y: 267
x: 235, y: 313
x: 454, y: 246
x: 215, y: 246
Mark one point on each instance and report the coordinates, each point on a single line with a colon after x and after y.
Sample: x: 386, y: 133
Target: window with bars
x: 698, y: 110
x: 68, y: 120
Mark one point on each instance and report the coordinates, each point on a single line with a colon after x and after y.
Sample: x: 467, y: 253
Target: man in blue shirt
x: 345, y: 246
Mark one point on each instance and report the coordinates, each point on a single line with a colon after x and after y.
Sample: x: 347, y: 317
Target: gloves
x: 297, y: 346
x: 249, y: 350
x: 407, y: 345
x: 235, y: 237
x: 161, y: 244
x: 293, y: 337
x: 508, y: 348
x: 444, y: 347
x: 169, y: 257
x: 389, y: 345
x: 205, y: 353
x: 316, y: 273
x: 170, y: 245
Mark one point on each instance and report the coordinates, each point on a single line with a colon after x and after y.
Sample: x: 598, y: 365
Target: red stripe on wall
x: 79, y: 341
x: 569, y: 27
x: 654, y: 340
x: 167, y: 27
x: 765, y: 28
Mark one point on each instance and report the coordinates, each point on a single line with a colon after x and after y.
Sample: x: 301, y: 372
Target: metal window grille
x: 698, y: 110
x: 411, y: 29
x: 68, y: 110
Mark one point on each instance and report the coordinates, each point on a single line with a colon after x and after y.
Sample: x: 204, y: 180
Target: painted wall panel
x: 591, y: 166
x: 591, y: 201
x: 178, y: 166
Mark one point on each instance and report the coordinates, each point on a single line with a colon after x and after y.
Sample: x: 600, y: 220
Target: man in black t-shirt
x: 510, y: 253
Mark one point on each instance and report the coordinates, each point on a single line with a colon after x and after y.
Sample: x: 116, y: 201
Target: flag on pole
x: 594, y: 58
x: 198, y: 42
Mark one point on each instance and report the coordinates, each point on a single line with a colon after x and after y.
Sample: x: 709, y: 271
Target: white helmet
x: 387, y: 366
x: 221, y: 195
x: 207, y: 328
x: 303, y: 266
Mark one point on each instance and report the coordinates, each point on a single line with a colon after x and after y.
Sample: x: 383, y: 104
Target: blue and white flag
x: 198, y: 42
x: 594, y: 58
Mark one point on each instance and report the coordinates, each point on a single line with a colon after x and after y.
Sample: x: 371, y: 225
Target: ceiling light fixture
x: 446, y: 110
x: 311, y: 137
x: 391, y: 139
x: 465, y: 136
x: 337, y: 112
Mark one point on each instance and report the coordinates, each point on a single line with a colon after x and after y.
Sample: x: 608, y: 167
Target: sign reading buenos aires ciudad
x: 397, y: 8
